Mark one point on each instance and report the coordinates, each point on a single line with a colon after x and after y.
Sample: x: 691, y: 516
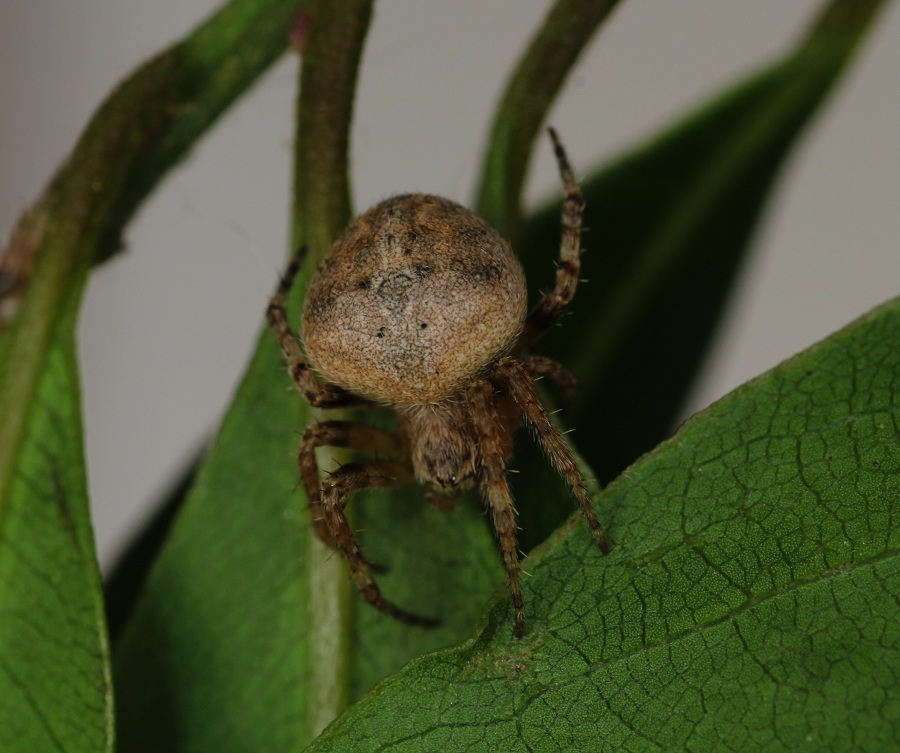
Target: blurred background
x: 167, y: 326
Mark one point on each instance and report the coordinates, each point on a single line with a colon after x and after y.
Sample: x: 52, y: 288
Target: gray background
x: 168, y: 325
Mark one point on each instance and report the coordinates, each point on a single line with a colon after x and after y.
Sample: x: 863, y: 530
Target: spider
x: 420, y: 307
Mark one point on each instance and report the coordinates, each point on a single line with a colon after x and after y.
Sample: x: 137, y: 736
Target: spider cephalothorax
x: 420, y: 306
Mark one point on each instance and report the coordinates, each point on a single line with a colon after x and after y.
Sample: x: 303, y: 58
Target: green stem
x: 529, y: 94
x: 322, y: 208
x: 322, y: 204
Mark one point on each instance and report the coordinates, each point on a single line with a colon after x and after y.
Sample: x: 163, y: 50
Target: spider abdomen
x: 416, y: 299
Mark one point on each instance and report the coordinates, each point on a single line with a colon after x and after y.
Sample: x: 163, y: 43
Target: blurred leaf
x: 749, y: 601
x: 216, y: 641
x: 667, y: 229
x: 55, y: 685
x: 441, y: 563
x: 125, y: 581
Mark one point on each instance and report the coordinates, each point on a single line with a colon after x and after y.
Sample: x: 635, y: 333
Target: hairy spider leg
x: 495, y: 487
x: 552, y: 306
x: 540, y: 366
x: 515, y: 380
x: 347, y: 479
x: 319, y: 395
x: 344, y: 434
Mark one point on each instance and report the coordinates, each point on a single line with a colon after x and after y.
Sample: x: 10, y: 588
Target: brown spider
x: 420, y: 307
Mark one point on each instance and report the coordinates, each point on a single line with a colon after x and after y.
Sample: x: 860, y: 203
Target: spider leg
x: 495, y: 488
x: 552, y: 306
x: 346, y: 434
x: 514, y: 378
x: 538, y: 366
x: 319, y: 395
x: 364, y: 474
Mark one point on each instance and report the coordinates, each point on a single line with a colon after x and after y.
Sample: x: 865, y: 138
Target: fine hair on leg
x: 552, y: 306
x: 349, y: 478
x: 541, y: 366
x: 515, y: 380
x: 344, y: 434
x: 495, y: 487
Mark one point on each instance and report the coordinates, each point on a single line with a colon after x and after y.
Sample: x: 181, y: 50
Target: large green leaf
x: 667, y: 228
x: 218, y: 649
x: 750, y: 599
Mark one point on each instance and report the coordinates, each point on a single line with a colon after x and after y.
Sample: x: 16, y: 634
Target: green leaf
x: 125, y: 580
x: 668, y: 227
x: 217, y: 640
x: 55, y: 684
x: 749, y: 600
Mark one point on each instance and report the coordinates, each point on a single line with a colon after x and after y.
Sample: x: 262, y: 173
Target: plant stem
x: 529, y: 94
x: 322, y: 204
x: 331, y: 55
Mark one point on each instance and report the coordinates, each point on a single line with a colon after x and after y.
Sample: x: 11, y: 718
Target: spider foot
x: 376, y: 567
x: 410, y: 618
